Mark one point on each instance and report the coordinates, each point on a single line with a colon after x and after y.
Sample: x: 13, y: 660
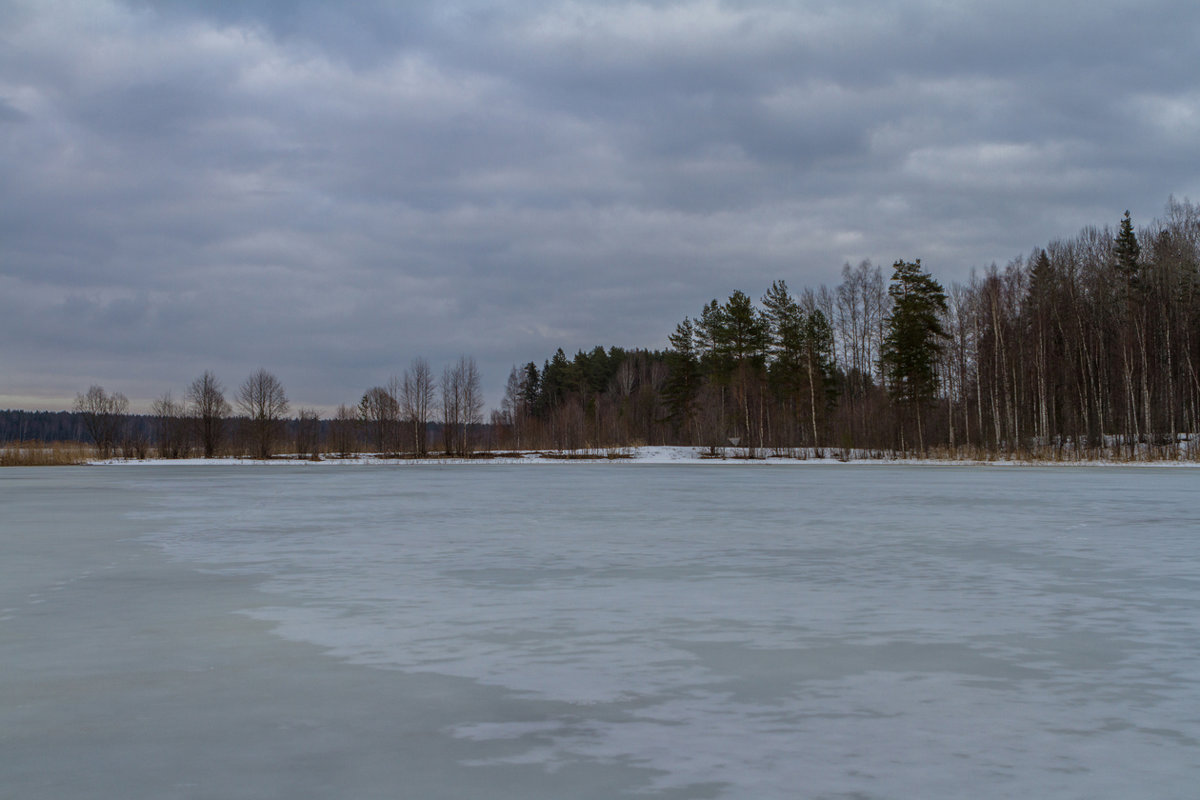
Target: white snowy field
x: 612, y: 629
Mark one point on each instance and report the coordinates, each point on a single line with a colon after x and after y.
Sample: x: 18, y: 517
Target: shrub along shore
x: 60, y: 454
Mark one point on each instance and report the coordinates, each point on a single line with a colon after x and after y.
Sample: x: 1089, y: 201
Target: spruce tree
x: 558, y: 379
x: 1126, y: 252
x: 818, y: 349
x: 531, y: 388
x: 913, y: 337
x: 683, y: 379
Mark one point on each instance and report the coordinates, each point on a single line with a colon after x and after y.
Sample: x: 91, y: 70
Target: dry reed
x: 45, y: 454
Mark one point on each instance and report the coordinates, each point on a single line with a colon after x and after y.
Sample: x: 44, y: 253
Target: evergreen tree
x: 1041, y: 279
x: 712, y: 339
x: 531, y: 385
x: 746, y: 331
x: 683, y: 378
x: 557, y: 381
x: 819, y: 362
x: 786, y: 330
x: 1126, y: 252
x: 913, y: 337
x: 746, y: 343
x: 593, y: 371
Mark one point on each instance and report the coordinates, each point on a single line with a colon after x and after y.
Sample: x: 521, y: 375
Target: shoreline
x: 661, y: 455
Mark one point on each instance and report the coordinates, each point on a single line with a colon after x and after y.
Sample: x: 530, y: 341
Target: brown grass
x: 595, y: 455
x: 45, y: 454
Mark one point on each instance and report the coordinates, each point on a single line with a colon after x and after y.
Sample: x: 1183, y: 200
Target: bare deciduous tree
x: 379, y: 413
x: 103, y: 415
x: 416, y: 402
x: 308, y: 434
x: 206, y: 398
x: 462, y: 404
x: 512, y: 416
x: 170, y: 427
x: 263, y: 403
x: 343, y: 438
x: 135, y: 443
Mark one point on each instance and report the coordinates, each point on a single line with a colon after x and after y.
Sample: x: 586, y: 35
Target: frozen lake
x: 598, y: 631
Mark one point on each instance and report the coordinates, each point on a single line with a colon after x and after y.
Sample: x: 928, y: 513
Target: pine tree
x: 786, y: 329
x: 784, y: 318
x: 746, y: 331
x: 747, y: 344
x: 712, y: 340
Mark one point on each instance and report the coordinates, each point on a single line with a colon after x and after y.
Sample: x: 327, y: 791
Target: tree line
x: 43, y: 426
x: 1087, y: 347
x: 409, y: 415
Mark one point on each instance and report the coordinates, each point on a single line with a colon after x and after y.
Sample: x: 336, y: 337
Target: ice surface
x: 666, y: 630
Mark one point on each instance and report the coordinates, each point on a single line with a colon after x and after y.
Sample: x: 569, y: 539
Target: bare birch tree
x: 462, y: 405
x: 262, y: 401
x: 416, y: 403
x: 379, y: 414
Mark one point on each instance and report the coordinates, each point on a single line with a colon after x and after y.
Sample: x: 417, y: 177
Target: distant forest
x: 1087, y: 347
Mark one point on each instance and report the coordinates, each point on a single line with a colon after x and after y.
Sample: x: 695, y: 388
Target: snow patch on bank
x: 728, y: 456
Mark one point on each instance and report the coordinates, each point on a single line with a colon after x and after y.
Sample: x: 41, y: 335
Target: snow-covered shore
x: 730, y: 456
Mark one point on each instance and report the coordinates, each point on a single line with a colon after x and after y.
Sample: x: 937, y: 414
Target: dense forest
x: 1088, y: 347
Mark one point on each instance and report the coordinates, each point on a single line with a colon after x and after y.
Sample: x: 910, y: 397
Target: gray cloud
x: 330, y: 191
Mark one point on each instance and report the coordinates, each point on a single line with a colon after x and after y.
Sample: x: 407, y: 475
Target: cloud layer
x: 329, y: 192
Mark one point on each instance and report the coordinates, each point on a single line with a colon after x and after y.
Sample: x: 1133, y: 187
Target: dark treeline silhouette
x: 66, y: 426
x: 410, y: 416
x: 1088, y: 347
x: 600, y: 399
x: 42, y: 426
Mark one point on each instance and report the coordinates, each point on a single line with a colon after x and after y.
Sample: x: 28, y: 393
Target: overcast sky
x: 328, y: 190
